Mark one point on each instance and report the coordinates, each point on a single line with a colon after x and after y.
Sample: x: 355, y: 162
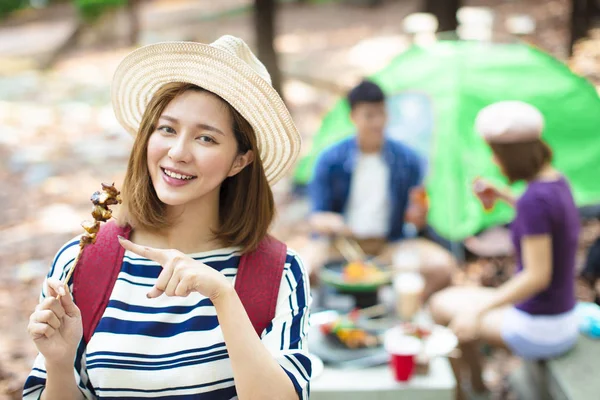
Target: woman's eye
x: 206, y: 139
x: 166, y: 129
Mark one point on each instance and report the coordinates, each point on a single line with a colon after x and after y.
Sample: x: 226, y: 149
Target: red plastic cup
x: 403, y: 352
x: 403, y: 366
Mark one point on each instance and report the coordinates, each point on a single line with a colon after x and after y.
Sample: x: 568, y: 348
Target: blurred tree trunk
x: 264, y: 27
x: 445, y: 12
x: 96, y: 28
x: 132, y: 10
x: 70, y: 43
x: 582, y: 14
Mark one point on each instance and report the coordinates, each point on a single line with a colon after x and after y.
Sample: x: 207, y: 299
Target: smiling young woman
x: 211, y: 136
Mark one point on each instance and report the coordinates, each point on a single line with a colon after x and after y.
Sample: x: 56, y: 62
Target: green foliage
x: 8, y: 6
x: 91, y: 10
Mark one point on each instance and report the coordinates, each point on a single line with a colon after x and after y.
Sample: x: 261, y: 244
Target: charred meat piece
x: 101, y: 213
x: 111, y: 190
x: 104, y: 199
x: 91, y: 227
x: 109, y: 195
x: 86, y: 239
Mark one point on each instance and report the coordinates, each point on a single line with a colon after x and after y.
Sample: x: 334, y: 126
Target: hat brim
x: 148, y: 68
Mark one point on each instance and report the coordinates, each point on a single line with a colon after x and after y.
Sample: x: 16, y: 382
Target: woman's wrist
x: 224, y: 291
x: 506, y: 195
x: 60, y: 367
x: 480, y: 312
x: 61, y: 382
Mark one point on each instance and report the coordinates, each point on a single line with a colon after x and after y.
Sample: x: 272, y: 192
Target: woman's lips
x: 172, y: 181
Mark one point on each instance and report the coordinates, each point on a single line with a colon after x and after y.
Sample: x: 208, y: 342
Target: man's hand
x: 418, y: 207
x: 329, y: 224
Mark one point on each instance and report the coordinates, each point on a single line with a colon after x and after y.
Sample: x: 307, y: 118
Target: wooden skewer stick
x: 373, y: 311
x: 357, y: 249
x: 350, y: 250
x: 72, y: 268
x: 344, y: 250
x: 359, y: 253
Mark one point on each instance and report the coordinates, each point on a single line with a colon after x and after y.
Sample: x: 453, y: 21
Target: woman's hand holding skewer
x: 55, y: 326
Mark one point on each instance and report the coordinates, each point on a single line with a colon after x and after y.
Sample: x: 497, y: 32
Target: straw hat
x: 227, y: 68
x: 510, y: 122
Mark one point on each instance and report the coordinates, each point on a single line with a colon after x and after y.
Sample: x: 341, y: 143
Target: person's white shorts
x: 538, y: 337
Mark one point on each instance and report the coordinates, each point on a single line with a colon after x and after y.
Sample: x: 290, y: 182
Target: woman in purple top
x: 532, y: 314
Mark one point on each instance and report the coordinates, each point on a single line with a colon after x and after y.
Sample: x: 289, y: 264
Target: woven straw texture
x: 227, y: 68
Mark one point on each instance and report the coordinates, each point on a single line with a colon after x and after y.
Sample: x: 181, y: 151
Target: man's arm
x: 320, y: 187
x: 324, y: 221
x: 418, y: 169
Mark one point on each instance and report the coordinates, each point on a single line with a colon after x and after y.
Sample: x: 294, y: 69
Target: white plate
x: 441, y: 342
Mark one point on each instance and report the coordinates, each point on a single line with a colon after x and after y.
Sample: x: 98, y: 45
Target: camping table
x: 377, y: 383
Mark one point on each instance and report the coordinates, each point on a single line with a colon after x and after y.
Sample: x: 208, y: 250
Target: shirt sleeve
x: 320, y: 187
x: 533, y: 215
x: 419, y: 169
x: 36, y: 381
x: 286, y: 337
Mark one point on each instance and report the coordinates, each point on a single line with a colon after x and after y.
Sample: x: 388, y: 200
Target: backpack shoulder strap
x: 258, y: 279
x: 96, y: 273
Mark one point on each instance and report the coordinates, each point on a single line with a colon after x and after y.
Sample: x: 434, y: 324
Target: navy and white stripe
x: 171, y: 347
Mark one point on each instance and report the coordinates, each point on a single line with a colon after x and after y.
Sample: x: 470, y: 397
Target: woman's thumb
x: 68, y: 304
x: 55, y: 287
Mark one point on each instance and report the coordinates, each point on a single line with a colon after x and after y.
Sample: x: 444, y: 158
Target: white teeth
x: 176, y: 175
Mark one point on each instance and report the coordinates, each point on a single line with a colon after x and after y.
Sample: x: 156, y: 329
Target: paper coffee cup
x: 408, y: 288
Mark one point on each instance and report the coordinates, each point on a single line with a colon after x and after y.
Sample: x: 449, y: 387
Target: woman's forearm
x: 256, y: 373
x: 61, y: 384
x: 519, y: 288
x: 507, y: 196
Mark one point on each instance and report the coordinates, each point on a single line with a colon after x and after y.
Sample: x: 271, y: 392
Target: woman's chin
x: 170, y: 200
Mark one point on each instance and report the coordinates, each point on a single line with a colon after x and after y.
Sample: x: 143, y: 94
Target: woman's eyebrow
x: 205, y: 127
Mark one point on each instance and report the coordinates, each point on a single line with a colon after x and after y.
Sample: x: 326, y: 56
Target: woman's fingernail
x: 61, y: 291
x: 120, y: 237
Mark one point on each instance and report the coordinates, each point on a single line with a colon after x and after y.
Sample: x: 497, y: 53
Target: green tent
x: 434, y: 94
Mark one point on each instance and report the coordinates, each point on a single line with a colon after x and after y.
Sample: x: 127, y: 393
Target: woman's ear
x: 241, y: 161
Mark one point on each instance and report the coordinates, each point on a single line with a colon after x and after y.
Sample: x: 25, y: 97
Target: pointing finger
x: 158, y: 255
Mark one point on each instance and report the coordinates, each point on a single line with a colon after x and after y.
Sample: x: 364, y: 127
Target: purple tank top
x: 547, y: 207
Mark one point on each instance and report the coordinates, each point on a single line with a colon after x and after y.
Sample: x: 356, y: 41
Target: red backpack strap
x: 258, y: 279
x: 96, y: 273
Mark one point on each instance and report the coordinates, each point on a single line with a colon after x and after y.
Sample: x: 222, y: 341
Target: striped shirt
x: 173, y: 347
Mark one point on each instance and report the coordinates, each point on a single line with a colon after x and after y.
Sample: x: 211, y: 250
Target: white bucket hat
x: 510, y: 122
x: 227, y: 68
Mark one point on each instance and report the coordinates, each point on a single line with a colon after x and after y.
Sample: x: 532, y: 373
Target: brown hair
x: 246, y: 205
x: 522, y: 161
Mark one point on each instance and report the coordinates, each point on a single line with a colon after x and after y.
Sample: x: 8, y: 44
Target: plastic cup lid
x: 409, y: 282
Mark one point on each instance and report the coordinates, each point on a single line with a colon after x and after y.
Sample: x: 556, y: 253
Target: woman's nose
x: 179, y: 150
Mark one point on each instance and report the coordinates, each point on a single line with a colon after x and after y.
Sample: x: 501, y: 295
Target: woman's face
x: 193, y: 149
